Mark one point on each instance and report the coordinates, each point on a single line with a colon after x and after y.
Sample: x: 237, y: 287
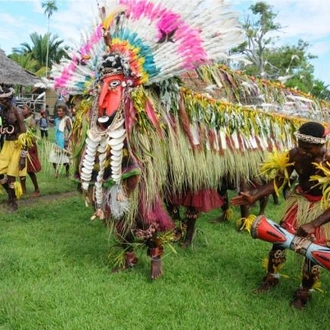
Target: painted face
x: 110, y: 96
x: 309, y: 150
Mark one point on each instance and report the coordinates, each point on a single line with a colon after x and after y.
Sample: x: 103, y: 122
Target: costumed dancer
x: 14, y: 151
x: 33, y: 162
x: 136, y: 46
x: 307, y: 212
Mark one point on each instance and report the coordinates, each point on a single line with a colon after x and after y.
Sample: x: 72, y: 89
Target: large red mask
x: 110, y: 96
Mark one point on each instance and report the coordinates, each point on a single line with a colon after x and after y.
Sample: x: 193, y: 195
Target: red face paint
x: 111, y: 95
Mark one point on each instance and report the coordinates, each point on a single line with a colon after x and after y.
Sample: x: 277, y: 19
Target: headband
x: 310, y: 139
x: 4, y: 95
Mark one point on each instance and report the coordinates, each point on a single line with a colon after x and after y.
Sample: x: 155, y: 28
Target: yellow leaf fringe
x: 317, y: 286
x: 277, y: 269
x: 323, y: 181
x: 26, y: 139
x: 276, y: 165
x: 246, y: 223
x: 228, y: 214
x: 18, y: 189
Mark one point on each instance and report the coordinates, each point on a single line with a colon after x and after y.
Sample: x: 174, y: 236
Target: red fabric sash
x: 310, y: 198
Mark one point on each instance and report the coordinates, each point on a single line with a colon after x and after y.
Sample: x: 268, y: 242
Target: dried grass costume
x: 138, y: 134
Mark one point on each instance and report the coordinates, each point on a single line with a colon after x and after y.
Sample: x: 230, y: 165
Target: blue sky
x: 308, y: 20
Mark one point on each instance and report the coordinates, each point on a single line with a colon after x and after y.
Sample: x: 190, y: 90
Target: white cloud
x: 70, y: 23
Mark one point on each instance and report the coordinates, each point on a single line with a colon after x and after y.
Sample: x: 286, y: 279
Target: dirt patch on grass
x: 29, y: 199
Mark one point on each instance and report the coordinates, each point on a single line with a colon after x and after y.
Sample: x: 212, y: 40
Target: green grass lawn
x: 55, y: 273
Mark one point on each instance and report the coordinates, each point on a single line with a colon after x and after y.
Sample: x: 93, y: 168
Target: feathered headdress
x: 150, y: 40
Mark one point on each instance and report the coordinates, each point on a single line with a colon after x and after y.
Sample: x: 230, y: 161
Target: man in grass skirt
x: 306, y: 212
x: 13, y: 154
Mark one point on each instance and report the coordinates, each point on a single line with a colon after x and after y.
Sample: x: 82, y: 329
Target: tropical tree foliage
x: 49, y: 8
x: 37, y: 50
x: 25, y: 61
x: 289, y: 64
x: 257, y: 36
x: 321, y: 90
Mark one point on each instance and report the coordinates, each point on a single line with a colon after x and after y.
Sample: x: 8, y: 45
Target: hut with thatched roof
x: 13, y: 74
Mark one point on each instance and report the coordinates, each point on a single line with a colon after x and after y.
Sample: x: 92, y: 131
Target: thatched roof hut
x: 12, y: 73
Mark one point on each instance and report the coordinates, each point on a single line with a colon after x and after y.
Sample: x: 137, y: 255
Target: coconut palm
x: 37, y: 49
x: 49, y: 8
x: 26, y: 61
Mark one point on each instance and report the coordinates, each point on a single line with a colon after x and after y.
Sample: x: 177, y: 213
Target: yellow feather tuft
x: 108, y: 20
x: 246, y: 223
x: 228, y: 214
x: 277, y: 163
x: 26, y: 139
x: 264, y: 263
x: 277, y: 269
x: 317, y: 286
x: 18, y: 189
x: 324, y: 181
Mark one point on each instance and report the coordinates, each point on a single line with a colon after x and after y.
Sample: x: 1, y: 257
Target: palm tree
x: 26, y: 61
x: 49, y: 7
x: 37, y: 49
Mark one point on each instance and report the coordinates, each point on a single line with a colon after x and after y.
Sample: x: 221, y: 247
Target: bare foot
x: 35, y: 194
x: 12, y: 206
x: 268, y: 282
x: 156, y: 268
x: 185, y: 244
x: 301, y: 298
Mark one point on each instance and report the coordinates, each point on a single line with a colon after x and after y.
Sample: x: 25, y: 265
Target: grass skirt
x: 301, y: 209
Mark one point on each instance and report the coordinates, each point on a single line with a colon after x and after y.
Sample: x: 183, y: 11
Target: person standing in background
x: 33, y: 162
x: 43, y: 124
x: 60, y: 154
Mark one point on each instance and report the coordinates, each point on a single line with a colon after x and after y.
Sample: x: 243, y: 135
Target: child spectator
x: 43, y: 123
x: 60, y: 154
